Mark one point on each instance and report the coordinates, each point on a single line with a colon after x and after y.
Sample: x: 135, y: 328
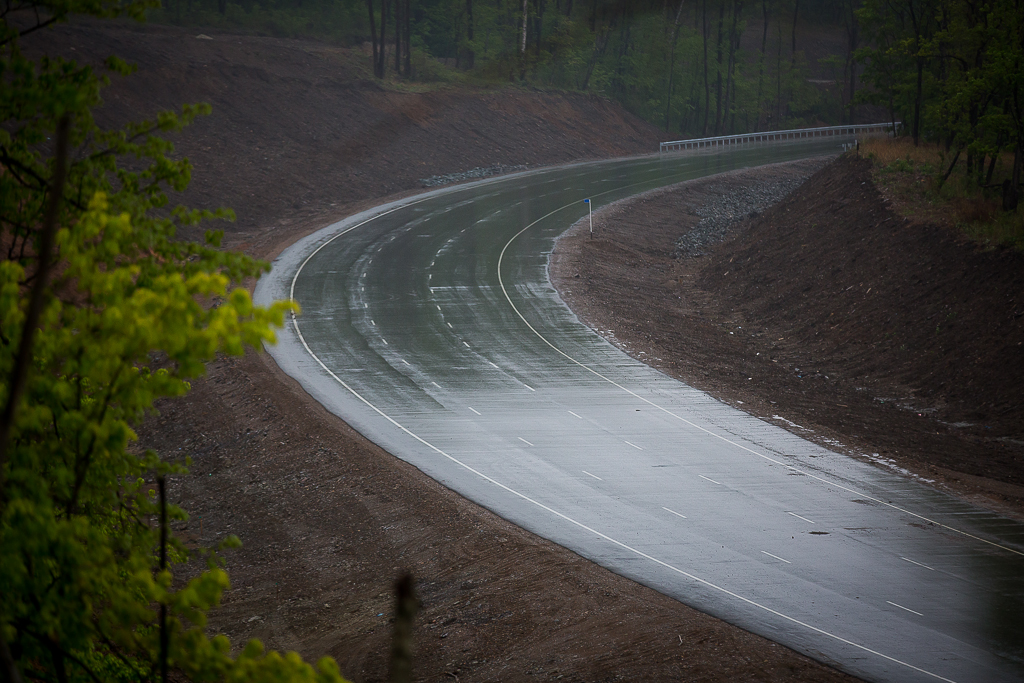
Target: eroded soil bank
x: 829, y: 314
x: 299, y: 137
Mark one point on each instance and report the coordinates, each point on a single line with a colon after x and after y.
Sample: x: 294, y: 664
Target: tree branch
x: 19, y: 374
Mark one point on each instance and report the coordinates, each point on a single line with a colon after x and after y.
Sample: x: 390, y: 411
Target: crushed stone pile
x: 735, y: 204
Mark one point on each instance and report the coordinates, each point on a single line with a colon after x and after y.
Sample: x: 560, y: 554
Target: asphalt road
x: 430, y: 326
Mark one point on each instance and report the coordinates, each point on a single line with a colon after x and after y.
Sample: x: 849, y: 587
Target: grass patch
x: 910, y: 177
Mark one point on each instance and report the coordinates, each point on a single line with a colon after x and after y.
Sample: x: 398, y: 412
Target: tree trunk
x: 522, y: 42
x: 796, y: 12
x: 383, y: 27
x: 672, y: 64
x: 707, y: 87
x: 373, y: 38
x: 760, y: 67
x: 408, y: 39
x: 470, y: 58
x: 398, y: 36
x: 718, y: 71
x: 919, y: 94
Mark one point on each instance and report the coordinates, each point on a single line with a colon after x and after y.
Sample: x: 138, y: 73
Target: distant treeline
x: 953, y: 71
x: 950, y: 70
x: 694, y: 67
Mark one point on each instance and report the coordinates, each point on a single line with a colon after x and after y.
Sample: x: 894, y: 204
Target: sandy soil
x: 300, y: 136
x: 897, y: 341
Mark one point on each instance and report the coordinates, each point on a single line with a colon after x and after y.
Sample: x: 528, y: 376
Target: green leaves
x: 130, y: 316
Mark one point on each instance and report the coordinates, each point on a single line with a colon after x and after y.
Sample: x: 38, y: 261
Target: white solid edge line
x: 776, y: 557
x: 603, y: 536
x: 906, y: 608
x: 591, y: 475
x: 707, y: 431
x: 673, y: 512
x: 693, y: 577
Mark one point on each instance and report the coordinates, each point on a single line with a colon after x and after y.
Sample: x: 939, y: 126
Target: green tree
x: 103, y: 311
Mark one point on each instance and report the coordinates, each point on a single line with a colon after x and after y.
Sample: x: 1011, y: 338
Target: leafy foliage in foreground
x: 128, y: 316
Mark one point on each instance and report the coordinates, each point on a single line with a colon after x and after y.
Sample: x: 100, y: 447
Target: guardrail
x: 778, y: 136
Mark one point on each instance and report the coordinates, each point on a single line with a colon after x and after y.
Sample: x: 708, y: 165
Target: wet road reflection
x: 431, y: 327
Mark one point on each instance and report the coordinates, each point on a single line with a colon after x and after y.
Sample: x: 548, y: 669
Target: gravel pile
x: 478, y: 172
x: 733, y: 206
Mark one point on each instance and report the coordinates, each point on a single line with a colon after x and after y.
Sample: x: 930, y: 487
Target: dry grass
x: 908, y: 176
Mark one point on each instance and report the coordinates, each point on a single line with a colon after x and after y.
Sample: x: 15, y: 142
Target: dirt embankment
x: 898, y: 339
x: 300, y: 136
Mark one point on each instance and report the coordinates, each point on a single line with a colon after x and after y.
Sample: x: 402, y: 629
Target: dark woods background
x: 951, y: 70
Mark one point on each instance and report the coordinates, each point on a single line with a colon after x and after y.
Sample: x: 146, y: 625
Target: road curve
x: 430, y: 326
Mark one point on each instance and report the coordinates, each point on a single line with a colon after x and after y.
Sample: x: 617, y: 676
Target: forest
x: 950, y: 71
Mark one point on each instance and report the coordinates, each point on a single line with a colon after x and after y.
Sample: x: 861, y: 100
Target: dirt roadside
x: 894, y: 340
x: 300, y: 137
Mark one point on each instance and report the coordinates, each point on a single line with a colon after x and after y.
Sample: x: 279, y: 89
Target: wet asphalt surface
x: 430, y: 326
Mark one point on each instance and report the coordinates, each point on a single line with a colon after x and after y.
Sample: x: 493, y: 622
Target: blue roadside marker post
x: 590, y: 210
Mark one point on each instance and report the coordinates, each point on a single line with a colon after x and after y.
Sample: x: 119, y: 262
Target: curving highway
x: 429, y: 324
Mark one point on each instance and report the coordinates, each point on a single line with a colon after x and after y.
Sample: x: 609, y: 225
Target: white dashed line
x: 776, y: 557
x: 373, y: 323
x: 907, y: 559
x: 384, y: 340
x: 436, y: 385
x: 633, y: 445
x: 438, y: 307
x: 524, y: 441
x: 493, y: 365
x: 574, y: 414
x: 449, y: 325
x: 467, y: 345
x: 674, y: 512
x: 473, y: 409
x: 529, y: 387
x: 799, y: 517
x: 710, y: 479
x: 405, y: 361
x: 906, y: 608
x: 591, y: 475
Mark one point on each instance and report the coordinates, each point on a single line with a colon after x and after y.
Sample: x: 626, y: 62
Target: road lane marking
x: 907, y: 559
x: 524, y: 441
x: 529, y: 387
x: 450, y: 325
x: 906, y: 608
x: 384, y: 340
x: 574, y: 522
x: 633, y: 445
x: 674, y: 512
x: 405, y: 361
x: 473, y: 409
x: 494, y: 366
x: 574, y: 414
x: 776, y: 557
x: 591, y: 475
x: 823, y: 480
x: 799, y: 517
x: 606, y: 537
x: 467, y: 345
x: 710, y: 479
x: 438, y: 307
x: 373, y: 323
x: 436, y: 385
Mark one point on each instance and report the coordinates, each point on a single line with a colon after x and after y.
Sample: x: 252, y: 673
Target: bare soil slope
x: 898, y: 339
x: 300, y: 137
